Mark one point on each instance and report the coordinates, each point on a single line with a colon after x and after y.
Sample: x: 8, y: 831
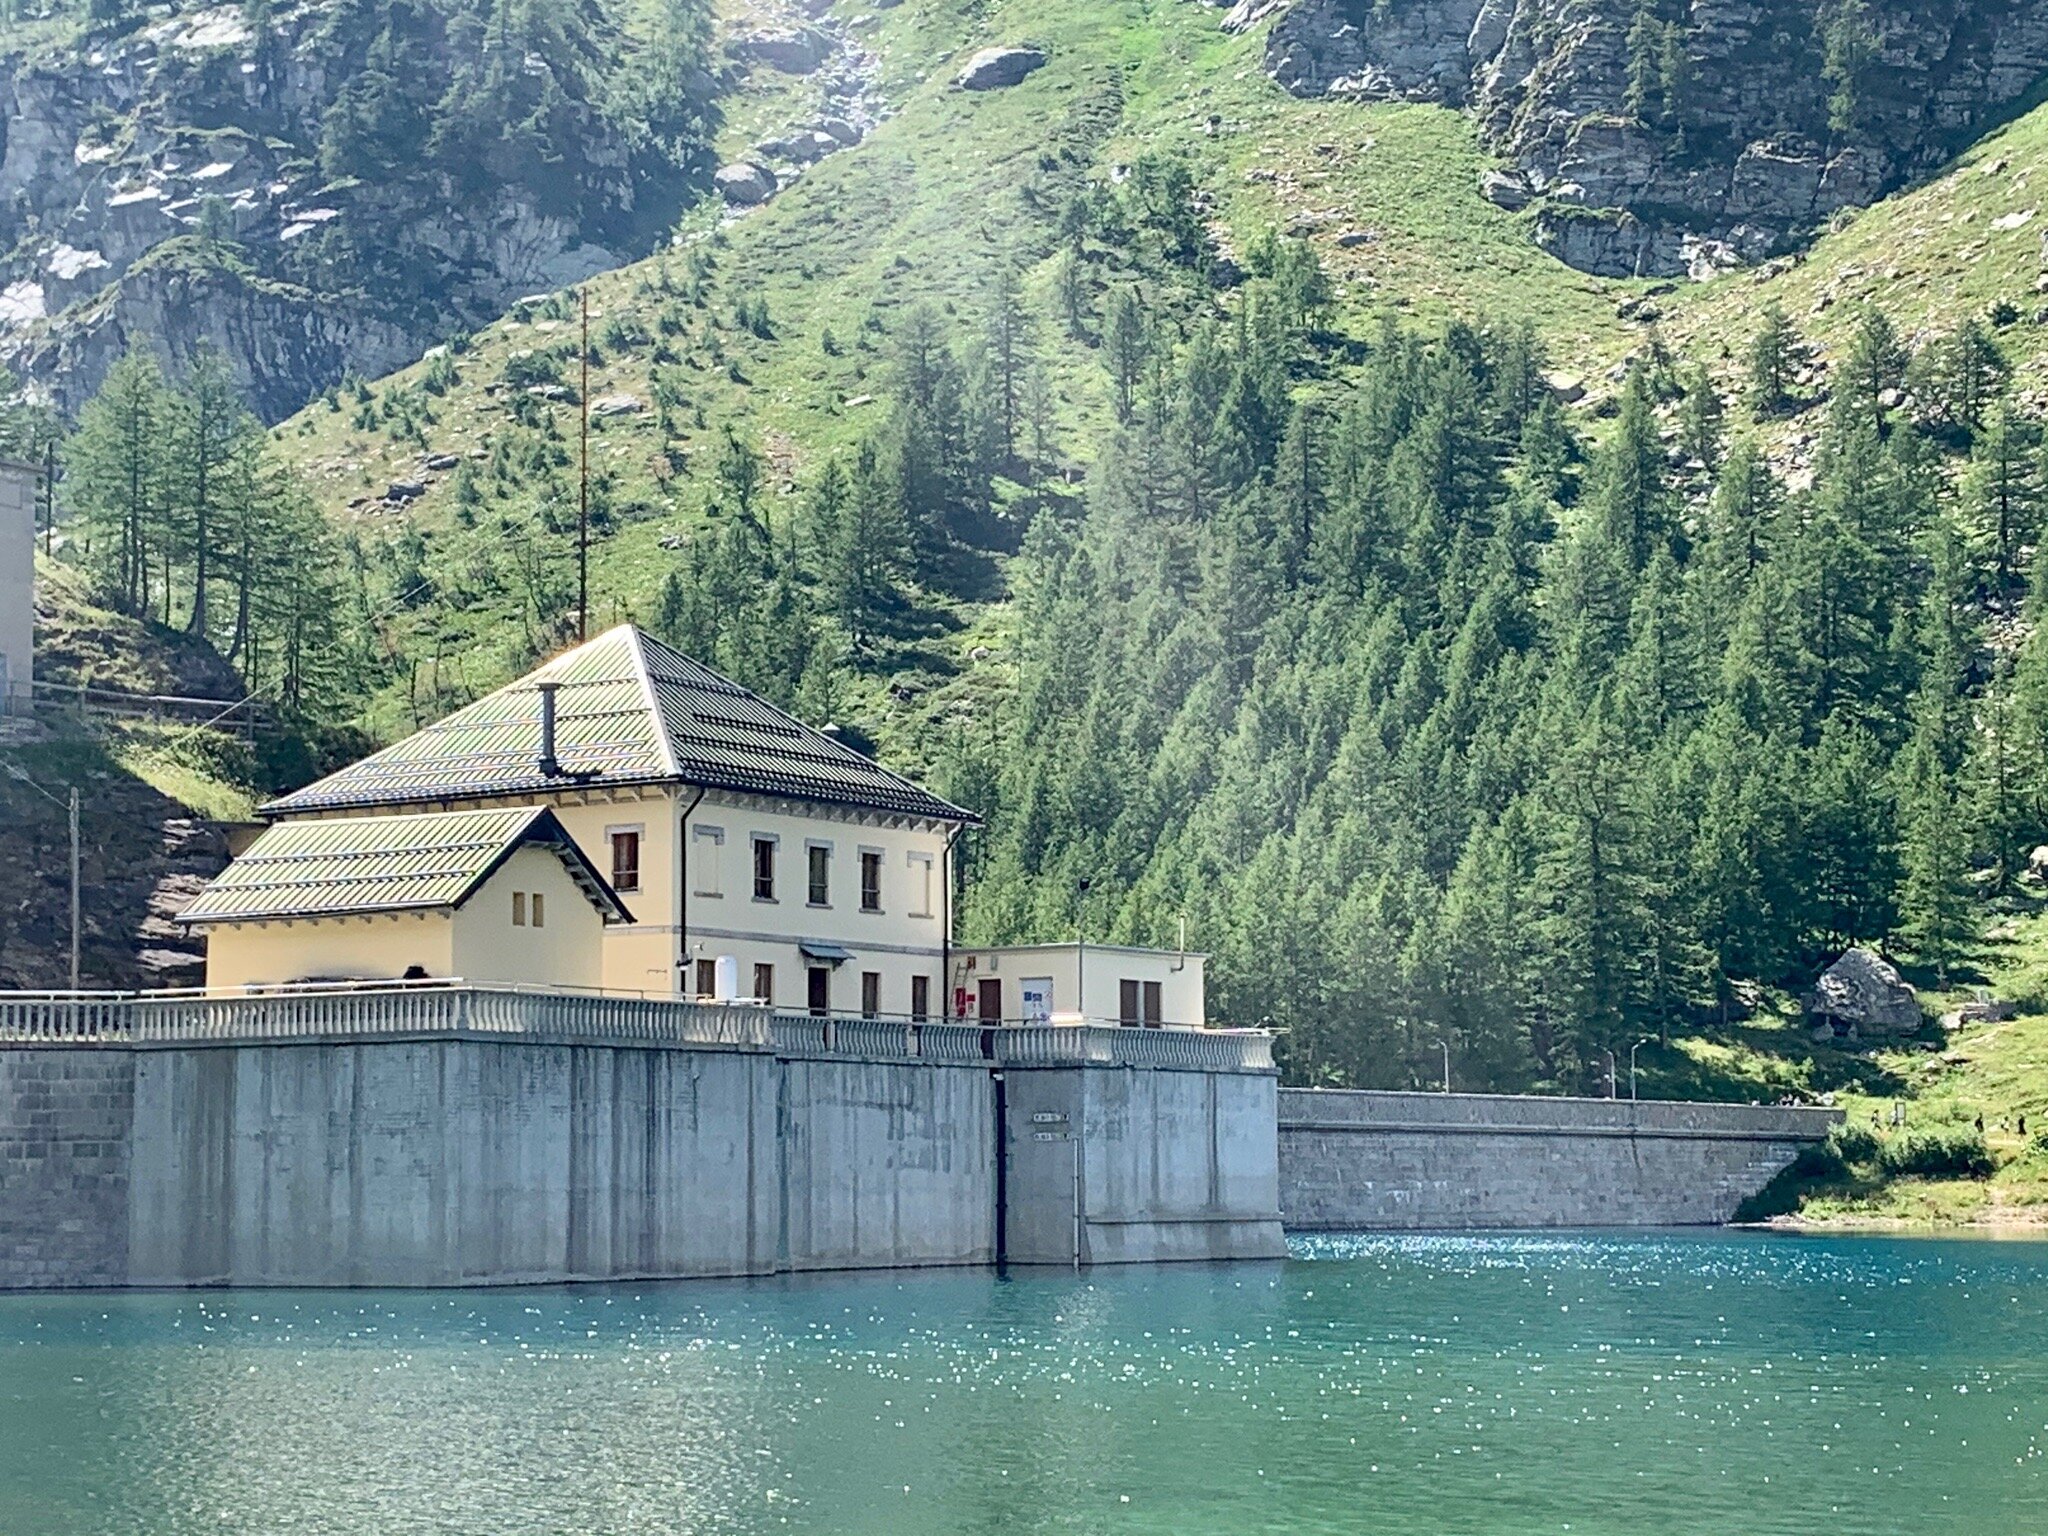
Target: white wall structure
x: 18, y: 486
x: 1104, y: 983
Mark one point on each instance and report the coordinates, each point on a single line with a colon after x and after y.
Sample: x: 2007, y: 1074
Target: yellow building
x: 500, y: 898
x: 762, y: 859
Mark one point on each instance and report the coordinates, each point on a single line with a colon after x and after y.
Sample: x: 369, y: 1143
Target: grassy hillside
x: 1969, y: 243
x: 953, y: 184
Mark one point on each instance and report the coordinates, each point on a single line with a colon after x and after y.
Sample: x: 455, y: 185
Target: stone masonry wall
x: 64, y: 1119
x: 1426, y: 1161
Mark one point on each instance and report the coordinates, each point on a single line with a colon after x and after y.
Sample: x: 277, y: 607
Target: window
x: 764, y: 983
x: 626, y: 861
x: 921, y: 884
x: 1154, y: 1017
x: 540, y: 916
x: 709, y: 843
x: 870, y: 994
x: 1128, y: 1003
x: 820, y: 859
x: 764, y: 868
x: 920, y: 998
x: 871, y: 879
x: 819, y: 996
x: 519, y: 909
x: 707, y: 978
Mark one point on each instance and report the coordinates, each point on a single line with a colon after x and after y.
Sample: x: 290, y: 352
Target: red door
x: 991, y: 1002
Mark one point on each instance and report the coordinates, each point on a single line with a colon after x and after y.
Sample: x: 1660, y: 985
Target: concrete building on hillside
x: 18, y: 483
x: 760, y: 860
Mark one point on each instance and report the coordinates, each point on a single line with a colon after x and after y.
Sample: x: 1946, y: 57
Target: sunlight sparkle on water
x: 1398, y: 1384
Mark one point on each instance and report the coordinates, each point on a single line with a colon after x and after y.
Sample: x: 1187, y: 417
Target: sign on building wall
x: 1037, y: 992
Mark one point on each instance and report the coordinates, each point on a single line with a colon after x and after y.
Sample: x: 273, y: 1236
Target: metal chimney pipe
x: 549, y: 767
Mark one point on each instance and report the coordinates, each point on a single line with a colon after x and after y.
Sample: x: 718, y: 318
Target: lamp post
x: 1081, y: 888
x: 1646, y: 1039
x: 72, y: 816
x: 1610, y: 1074
x: 1444, y: 1045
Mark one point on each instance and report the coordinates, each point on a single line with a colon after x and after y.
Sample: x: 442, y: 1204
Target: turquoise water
x: 1595, y: 1384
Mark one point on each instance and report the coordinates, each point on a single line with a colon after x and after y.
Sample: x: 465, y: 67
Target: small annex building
x: 493, y: 897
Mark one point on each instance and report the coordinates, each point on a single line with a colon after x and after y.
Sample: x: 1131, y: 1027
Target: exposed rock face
x: 1744, y: 166
x: 166, y: 184
x: 1861, y: 994
x: 995, y: 69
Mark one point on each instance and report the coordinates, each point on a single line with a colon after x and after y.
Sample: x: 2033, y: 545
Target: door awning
x: 814, y: 949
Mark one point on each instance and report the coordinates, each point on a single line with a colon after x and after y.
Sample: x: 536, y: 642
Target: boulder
x: 405, y: 490
x: 792, y: 50
x: 1863, y: 993
x: 994, y: 69
x: 1505, y: 189
x: 745, y: 183
x: 2037, y: 863
x: 616, y: 405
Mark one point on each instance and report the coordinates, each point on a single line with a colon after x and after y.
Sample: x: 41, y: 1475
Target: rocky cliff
x: 274, y: 184
x: 1673, y: 136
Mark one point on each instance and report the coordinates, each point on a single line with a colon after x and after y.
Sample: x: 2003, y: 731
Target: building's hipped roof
x: 355, y: 866
x: 628, y: 710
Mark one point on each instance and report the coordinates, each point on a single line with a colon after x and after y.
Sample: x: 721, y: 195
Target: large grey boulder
x: 745, y: 183
x: 994, y: 69
x: 792, y: 50
x: 1863, y: 993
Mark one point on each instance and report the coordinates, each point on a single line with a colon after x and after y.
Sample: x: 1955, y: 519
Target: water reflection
x: 1484, y: 1384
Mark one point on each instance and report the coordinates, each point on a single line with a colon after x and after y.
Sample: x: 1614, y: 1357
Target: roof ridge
x: 637, y: 640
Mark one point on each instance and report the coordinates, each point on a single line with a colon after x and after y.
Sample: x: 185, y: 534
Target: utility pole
x: 50, y: 504
x: 583, y: 489
x: 74, y: 887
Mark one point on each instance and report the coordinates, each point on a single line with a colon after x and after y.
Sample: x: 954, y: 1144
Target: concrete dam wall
x: 466, y: 1159
x: 1354, y: 1161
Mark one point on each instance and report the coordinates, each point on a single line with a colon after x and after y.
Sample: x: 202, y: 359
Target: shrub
x: 1950, y: 1150
x: 1856, y: 1143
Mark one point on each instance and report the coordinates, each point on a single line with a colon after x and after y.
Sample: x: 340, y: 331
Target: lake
x: 1724, y: 1383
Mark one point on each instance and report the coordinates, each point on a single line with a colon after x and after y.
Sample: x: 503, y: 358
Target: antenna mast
x: 583, y: 489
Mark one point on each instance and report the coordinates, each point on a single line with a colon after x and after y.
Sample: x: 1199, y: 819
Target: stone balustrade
x: 402, y: 1010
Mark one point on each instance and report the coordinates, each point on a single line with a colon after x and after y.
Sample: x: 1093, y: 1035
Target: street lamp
x: 15, y: 773
x: 1081, y: 889
x: 1632, y: 1065
x: 1444, y: 1045
x: 1610, y: 1074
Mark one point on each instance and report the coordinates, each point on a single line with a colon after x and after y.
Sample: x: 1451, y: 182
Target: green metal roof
x: 351, y: 866
x: 628, y: 710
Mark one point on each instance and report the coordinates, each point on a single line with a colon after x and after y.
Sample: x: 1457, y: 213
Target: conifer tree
x: 1770, y: 362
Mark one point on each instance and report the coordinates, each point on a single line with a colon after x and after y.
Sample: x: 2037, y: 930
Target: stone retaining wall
x: 1424, y: 1161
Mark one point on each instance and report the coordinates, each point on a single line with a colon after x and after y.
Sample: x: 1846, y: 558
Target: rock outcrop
x: 177, y: 182
x: 1748, y: 150
x: 995, y: 69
